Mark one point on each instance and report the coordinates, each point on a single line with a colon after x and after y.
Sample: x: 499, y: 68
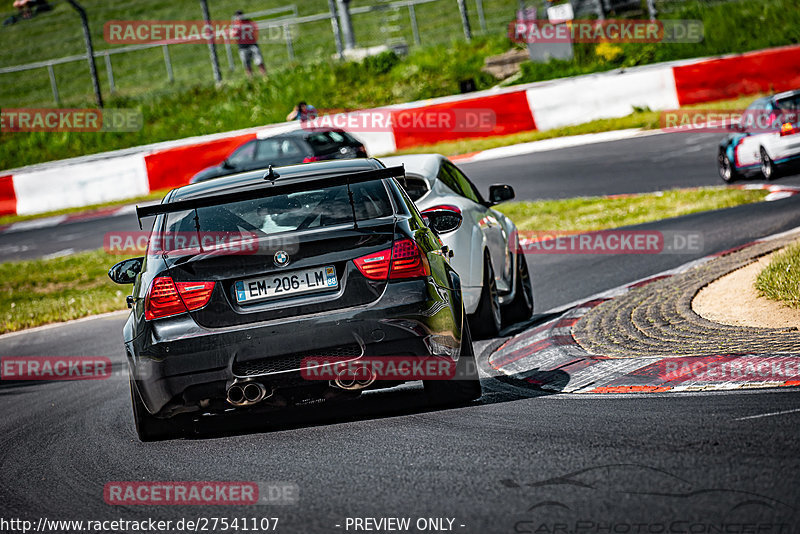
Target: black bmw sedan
x: 297, y: 285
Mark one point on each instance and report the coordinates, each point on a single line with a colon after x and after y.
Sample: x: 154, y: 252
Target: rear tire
x: 725, y: 168
x: 768, y: 170
x: 465, y: 386
x: 487, y: 320
x: 151, y: 428
x: 521, y: 308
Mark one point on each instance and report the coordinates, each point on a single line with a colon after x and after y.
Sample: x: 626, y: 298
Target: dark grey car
x: 301, y: 146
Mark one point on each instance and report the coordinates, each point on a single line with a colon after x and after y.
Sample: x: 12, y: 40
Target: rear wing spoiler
x: 271, y: 188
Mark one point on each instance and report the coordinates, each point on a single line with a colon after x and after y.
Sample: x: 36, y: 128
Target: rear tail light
x: 309, y: 159
x: 787, y: 128
x: 166, y: 298
x: 375, y: 266
x: 408, y: 261
x: 403, y: 260
x: 195, y: 295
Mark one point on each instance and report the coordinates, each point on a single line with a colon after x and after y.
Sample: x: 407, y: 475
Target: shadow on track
x: 408, y: 399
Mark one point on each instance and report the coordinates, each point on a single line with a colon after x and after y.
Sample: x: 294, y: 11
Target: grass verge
x: 780, y: 280
x: 45, y: 291
x: 38, y: 292
x: 600, y: 213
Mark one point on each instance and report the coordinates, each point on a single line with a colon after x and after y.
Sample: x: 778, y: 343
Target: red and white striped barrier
x: 543, y: 105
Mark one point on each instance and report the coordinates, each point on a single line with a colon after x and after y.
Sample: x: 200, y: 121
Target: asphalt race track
x: 636, y: 165
x: 517, y: 460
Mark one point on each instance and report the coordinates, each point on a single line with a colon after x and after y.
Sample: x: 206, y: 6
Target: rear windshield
x: 287, y: 213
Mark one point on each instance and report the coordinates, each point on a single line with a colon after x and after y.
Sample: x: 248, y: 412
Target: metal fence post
x: 462, y: 7
x: 481, y: 17
x: 211, y: 48
x: 168, y: 63
x: 87, y: 37
x: 651, y: 9
x: 287, y: 33
x: 229, y: 54
x: 347, y: 24
x: 110, y: 72
x: 412, y: 14
x: 335, y: 25
x: 53, y: 84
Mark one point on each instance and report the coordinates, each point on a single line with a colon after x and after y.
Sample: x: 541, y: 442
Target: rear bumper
x: 180, y: 366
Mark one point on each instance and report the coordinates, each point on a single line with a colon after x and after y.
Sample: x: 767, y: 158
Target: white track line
x: 555, y: 143
x: 771, y: 414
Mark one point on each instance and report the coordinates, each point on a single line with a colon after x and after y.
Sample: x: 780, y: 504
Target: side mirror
x: 500, y: 193
x: 443, y: 221
x: 125, y: 272
x: 226, y: 164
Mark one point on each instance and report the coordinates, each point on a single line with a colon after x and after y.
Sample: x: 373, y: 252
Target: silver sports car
x: 496, y: 285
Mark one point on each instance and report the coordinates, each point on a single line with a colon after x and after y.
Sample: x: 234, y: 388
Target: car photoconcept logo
x: 281, y: 258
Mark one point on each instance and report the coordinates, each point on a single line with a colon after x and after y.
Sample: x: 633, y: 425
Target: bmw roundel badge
x: 281, y: 258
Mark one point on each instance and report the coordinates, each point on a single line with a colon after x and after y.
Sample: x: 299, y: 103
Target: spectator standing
x: 244, y: 32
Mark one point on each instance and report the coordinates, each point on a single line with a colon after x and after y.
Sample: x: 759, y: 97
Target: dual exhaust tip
x: 247, y: 393
x: 353, y: 381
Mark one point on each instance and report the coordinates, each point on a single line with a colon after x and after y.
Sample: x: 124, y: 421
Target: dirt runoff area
x: 733, y: 300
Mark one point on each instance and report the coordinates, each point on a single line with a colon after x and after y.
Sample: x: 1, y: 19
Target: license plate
x: 286, y: 284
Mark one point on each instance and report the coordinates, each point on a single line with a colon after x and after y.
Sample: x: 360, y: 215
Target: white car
x: 495, y: 282
x: 765, y: 142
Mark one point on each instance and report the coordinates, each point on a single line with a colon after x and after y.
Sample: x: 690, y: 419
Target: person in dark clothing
x: 245, y: 34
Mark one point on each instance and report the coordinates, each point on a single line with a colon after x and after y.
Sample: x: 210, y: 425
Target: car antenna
x: 271, y: 175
